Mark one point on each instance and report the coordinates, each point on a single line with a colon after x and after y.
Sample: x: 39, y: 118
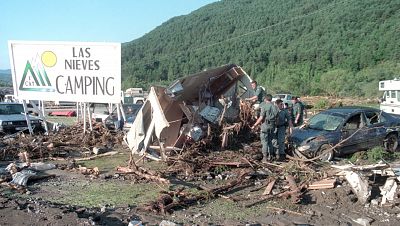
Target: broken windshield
x: 10, y: 109
x: 323, y: 121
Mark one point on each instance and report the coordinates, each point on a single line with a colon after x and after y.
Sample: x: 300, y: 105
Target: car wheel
x: 325, y: 153
x: 391, y: 142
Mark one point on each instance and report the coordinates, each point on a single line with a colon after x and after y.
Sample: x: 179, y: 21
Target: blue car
x: 345, y: 130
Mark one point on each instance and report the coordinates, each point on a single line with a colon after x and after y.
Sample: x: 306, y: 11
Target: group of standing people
x: 276, y: 119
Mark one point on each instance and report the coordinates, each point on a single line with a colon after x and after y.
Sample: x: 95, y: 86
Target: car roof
x: 349, y: 110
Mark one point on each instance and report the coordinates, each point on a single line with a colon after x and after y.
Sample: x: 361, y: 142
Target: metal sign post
x: 28, y: 121
x: 89, y: 117
x: 41, y: 115
x: 84, y: 118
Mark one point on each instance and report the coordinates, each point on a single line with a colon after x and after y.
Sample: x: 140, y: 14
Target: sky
x: 85, y: 20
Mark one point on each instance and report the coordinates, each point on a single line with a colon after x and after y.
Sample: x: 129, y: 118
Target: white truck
x: 390, y: 101
x: 134, y: 96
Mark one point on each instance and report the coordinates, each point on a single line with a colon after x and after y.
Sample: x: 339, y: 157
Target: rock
x: 135, y: 223
x: 374, y: 202
x: 80, y: 210
x: 98, y: 151
x: 388, y: 191
x: 310, y: 212
x: 105, y: 176
x: 197, y: 215
x: 359, y: 185
x: 364, y: 221
x: 168, y: 223
x: 275, y: 191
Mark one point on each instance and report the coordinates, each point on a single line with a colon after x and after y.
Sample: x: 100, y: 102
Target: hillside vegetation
x: 340, y: 48
x: 5, y: 78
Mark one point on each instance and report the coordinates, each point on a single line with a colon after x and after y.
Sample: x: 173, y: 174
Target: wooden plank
x: 269, y: 187
x: 323, y: 184
x: 149, y: 134
x: 237, y: 164
x: 167, y: 148
x: 188, y: 112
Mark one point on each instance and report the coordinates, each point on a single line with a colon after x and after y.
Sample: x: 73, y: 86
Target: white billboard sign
x: 66, y: 71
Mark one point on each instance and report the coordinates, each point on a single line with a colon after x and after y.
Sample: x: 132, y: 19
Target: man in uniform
x: 258, y: 95
x: 283, y: 121
x: 304, y: 106
x: 298, y: 110
x: 267, y: 117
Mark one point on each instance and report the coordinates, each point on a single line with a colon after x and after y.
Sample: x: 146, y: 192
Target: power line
x: 248, y: 33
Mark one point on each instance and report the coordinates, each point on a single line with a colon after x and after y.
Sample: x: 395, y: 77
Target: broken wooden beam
x: 280, y: 195
x: 237, y: 164
x: 97, y: 156
x: 143, y: 174
x: 322, y: 184
x: 269, y: 187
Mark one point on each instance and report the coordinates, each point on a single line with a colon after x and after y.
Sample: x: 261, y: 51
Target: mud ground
x: 111, y: 198
x: 71, y: 198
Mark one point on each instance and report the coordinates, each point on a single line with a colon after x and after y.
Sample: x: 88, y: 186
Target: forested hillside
x: 5, y: 78
x: 339, y: 47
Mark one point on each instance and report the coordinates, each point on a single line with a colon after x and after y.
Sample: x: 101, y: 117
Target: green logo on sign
x: 35, y: 81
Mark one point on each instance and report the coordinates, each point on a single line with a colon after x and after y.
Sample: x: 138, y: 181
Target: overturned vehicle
x: 340, y: 131
x: 184, y: 112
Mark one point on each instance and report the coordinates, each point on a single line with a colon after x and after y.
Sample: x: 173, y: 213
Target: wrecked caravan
x: 183, y: 112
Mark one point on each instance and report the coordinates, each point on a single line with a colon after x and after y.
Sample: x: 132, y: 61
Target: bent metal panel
x: 66, y: 71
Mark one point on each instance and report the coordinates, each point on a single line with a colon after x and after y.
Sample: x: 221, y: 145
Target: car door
x: 354, y: 131
x: 376, y: 128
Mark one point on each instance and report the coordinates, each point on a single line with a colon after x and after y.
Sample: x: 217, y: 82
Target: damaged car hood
x: 300, y: 135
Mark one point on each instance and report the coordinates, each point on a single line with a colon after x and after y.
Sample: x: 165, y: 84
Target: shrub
x: 322, y: 104
x: 376, y: 154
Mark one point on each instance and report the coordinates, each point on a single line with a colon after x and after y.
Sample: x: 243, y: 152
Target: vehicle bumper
x: 306, y: 150
x: 18, y: 128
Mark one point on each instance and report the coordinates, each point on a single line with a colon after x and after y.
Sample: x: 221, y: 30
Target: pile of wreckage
x: 189, y: 110
x: 63, y: 142
x: 368, y: 185
x: 200, y: 127
x: 190, y: 126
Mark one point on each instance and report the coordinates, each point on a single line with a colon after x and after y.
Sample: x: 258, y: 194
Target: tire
x: 326, y: 155
x: 391, y: 142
